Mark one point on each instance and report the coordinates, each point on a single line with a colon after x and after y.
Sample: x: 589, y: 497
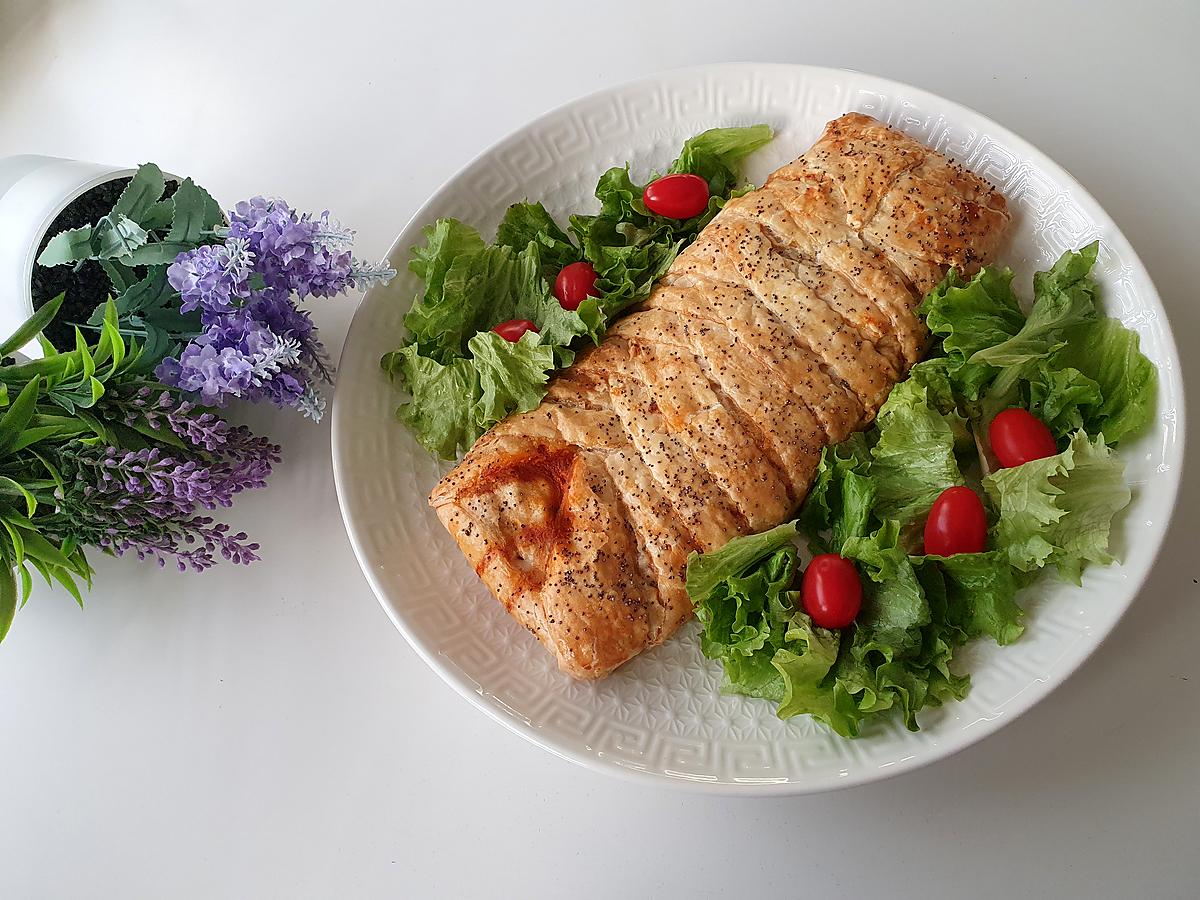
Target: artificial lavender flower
x: 200, y: 429
x: 290, y: 255
x: 236, y: 356
x: 257, y: 344
x: 143, y: 501
x: 309, y: 255
x: 212, y: 278
x: 276, y: 310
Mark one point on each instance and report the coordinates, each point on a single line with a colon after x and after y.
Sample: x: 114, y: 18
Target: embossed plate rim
x: 935, y: 744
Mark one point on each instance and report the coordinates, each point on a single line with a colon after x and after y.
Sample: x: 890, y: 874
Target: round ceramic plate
x: 660, y: 717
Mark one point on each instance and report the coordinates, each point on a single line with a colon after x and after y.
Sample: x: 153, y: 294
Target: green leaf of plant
x: 51, y: 469
x: 213, y: 215
x: 85, y: 355
x: 157, y: 435
x: 32, y: 326
x: 182, y: 325
x: 110, y: 338
x: 48, y: 367
x: 142, y: 192
x: 26, y: 583
x: 73, y: 245
x: 38, y: 546
x: 158, y: 344
x: 63, y: 576
x: 157, y: 253
x: 8, y: 599
x: 121, y: 276
x: 43, y: 569
x: 18, y: 542
x: 192, y: 214
x: 158, y: 217
x: 117, y: 236
x: 15, y: 487
x: 31, y: 436
x: 18, y: 414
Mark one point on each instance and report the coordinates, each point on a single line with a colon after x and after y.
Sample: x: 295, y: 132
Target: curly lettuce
x: 461, y: 378
x: 1081, y: 372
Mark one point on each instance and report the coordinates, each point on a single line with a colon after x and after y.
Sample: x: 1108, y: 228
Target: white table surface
x: 266, y: 732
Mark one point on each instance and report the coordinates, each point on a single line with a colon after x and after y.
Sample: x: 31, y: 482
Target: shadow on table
x: 21, y: 19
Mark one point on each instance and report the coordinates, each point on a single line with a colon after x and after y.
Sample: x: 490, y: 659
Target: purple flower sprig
x: 145, y: 501
x: 257, y: 343
x: 212, y: 278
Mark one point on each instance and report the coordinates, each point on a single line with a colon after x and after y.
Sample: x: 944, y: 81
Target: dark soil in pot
x: 86, y: 286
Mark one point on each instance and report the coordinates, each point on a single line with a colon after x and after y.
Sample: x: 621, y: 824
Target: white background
x: 265, y: 732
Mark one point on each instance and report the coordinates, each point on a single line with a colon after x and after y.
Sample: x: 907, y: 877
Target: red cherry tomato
x: 831, y: 591
x: 575, y: 283
x: 1018, y: 436
x: 956, y: 523
x: 514, y: 328
x: 676, y: 196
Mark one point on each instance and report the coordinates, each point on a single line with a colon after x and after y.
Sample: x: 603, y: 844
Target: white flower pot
x: 33, y: 191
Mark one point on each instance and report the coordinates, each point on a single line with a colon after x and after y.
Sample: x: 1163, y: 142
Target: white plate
x: 660, y: 717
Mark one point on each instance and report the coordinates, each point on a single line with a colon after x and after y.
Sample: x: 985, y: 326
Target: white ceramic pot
x: 33, y: 191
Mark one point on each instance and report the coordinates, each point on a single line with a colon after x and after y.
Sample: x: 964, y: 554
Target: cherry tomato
x: 514, y: 328
x: 575, y: 283
x: 676, y: 196
x: 831, y: 591
x: 1018, y: 436
x: 956, y: 523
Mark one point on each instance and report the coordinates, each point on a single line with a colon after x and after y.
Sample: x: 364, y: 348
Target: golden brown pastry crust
x: 703, y: 413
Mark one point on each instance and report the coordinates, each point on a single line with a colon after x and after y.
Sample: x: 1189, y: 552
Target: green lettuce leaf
x: 970, y: 317
x: 841, y: 497
x: 526, y: 223
x: 715, y: 154
x: 1062, y: 397
x: 629, y: 246
x: 936, y: 377
x: 512, y: 376
x: 705, y: 571
x: 914, y: 458
x: 744, y: 615
x: 1106, y: 353
x: 1059, y: 510
x: 441, y: 413
x: 1064, y: 297
x: 896, y: 657
x: 462, y: 377
x: 1077, y: 371
x: 454, y: 403
x: 460, y: 273
x: 1070, y: 366
x: 803, y: 665
x: 981, y: 590
x: 894, y: 605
